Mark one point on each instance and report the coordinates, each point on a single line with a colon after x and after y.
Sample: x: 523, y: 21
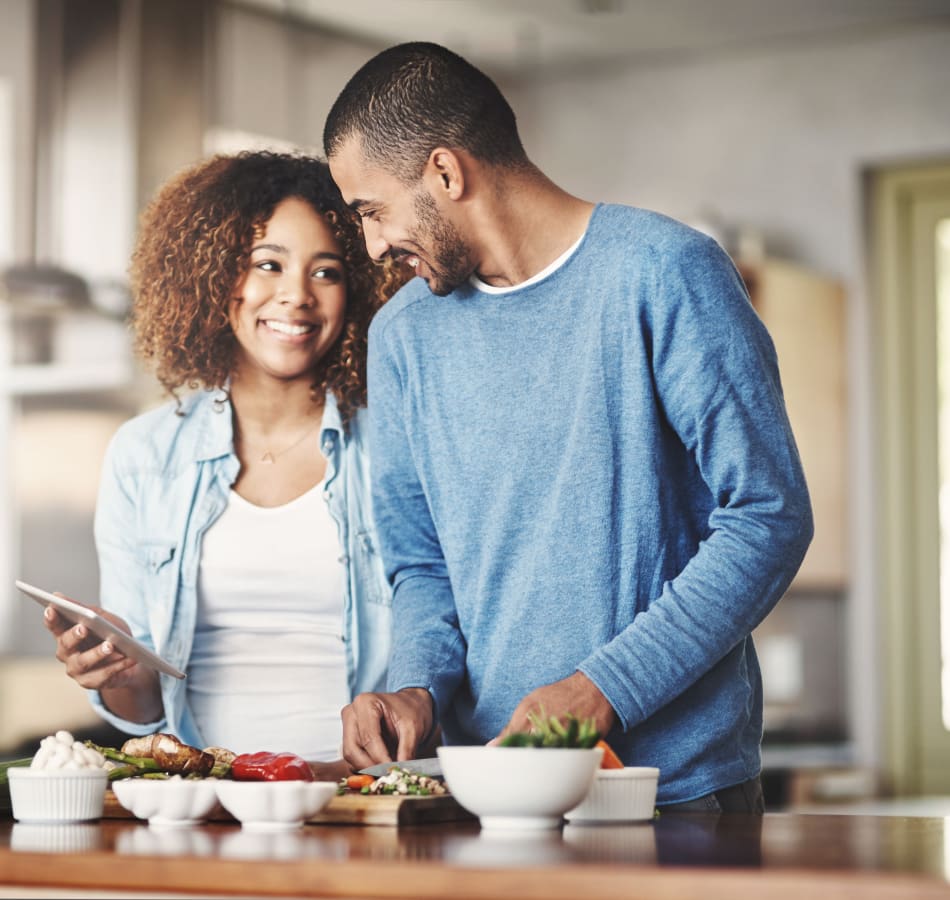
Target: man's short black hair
x: 414, y: 97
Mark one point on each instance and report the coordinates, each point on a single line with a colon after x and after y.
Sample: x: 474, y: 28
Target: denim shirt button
x: 328, y: 495
x: 344, y: 559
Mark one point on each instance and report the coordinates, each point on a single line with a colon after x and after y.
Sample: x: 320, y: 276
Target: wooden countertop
x: 777, y: 856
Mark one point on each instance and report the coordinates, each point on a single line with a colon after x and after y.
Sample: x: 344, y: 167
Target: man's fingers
x: 409, y: 741
x: 353, y: 751
x: 363, y: 741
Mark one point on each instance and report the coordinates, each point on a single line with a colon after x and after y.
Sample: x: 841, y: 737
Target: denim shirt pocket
x: 369, y: 570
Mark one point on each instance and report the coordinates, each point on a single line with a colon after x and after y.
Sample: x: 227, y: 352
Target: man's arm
x: 717, y: 381
x: 428, y: 649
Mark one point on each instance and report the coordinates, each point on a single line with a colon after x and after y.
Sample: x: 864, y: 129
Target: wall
x: 777, y: 139
x: 17, y: 39
x: 271, y: 80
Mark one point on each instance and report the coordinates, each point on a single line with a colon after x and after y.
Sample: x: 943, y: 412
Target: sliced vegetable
x: 265, y: 766
x: 610, y: 759
x: 358, y: 782
x: 404, y: 781
x: 177, y: 758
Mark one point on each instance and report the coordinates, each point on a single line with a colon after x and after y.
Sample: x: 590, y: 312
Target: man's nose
x: 376, y: 245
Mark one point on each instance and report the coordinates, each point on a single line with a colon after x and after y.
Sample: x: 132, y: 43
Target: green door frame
x: 906, y: 205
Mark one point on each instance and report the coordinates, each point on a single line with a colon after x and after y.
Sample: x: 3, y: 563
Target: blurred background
x: 812, y: 139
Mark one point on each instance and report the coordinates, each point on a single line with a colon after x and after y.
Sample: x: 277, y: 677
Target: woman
x: 233, y: 525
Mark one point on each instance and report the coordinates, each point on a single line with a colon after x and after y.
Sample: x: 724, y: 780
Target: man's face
x: 401, y: 221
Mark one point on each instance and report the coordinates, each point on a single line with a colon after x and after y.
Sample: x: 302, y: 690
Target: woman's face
x: 287, y: 310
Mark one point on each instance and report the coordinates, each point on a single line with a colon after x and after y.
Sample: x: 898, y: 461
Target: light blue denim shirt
x: 165, y: 480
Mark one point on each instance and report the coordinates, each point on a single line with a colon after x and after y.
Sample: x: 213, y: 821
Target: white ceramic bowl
x: 174, y: 801
x: 274, y: 805
x: 57, y: 795
x: 518, y: 787
x: 618, y: 795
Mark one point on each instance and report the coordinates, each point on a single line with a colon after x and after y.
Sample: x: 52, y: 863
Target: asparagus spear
x: 4, y: 766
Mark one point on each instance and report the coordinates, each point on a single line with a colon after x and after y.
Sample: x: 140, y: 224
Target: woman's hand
x: 90, y: 661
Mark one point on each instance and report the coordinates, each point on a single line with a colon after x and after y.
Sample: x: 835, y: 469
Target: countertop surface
x: 778, y: 855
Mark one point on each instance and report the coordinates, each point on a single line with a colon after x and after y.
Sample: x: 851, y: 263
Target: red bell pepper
x: 265, y: 766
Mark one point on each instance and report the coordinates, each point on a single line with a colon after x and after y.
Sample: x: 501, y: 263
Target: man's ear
x: 445, y: 173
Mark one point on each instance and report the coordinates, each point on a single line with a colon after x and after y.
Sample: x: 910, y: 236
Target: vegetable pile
x: 551, y: 731
x: 163, y: 755
x: 396, y: 781
x: 62, y: 751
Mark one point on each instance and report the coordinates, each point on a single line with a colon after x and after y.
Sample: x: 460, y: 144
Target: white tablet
x: 100, y: 627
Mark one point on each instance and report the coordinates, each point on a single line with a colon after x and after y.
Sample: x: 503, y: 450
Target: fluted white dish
x: 519, y: 787
x: 618, y: 795
x: 168, y: 802
x: 57, y: 795
x: 274, y: 805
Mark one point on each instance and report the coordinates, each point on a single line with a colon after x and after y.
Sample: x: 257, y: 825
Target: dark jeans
x: 744, y: 798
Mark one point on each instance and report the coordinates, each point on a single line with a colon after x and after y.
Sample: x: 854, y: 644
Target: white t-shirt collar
x: 486, y: 288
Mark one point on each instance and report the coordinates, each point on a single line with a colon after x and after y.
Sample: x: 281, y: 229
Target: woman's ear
x: 445, y: 172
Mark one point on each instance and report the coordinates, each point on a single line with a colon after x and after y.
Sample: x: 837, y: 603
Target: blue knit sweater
x: 591, y: 472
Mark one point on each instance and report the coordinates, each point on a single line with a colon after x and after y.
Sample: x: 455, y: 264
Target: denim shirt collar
x: 216, y: 433
x: 332, y: 432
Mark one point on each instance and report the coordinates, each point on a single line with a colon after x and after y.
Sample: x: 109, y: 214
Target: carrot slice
x: 356, y: 782
x: 610, y: 759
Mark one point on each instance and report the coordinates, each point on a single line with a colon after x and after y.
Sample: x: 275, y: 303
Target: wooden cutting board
x: 354, y: 809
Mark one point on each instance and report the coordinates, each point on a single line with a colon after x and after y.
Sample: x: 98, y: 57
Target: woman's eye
x: 267, y: 265
x: 331, y: 276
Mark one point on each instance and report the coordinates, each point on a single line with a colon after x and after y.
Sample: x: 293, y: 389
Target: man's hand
x: 386, y: 727
x: 575, y: 694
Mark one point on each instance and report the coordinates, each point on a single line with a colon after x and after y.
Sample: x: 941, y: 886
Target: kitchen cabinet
x: 805, y: 313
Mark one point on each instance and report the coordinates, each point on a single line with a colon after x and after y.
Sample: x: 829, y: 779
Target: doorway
x: 911, y: 273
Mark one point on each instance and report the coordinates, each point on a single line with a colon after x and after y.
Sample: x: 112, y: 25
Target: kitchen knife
x: 430, y: 767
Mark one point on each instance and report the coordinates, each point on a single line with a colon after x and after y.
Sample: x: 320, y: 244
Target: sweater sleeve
x: 717, y: 383
x: 428, y: 648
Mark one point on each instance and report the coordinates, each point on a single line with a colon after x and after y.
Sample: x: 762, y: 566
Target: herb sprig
x: 567, y: 732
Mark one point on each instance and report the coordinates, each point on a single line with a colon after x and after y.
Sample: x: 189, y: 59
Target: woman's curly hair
x: 194, y: 245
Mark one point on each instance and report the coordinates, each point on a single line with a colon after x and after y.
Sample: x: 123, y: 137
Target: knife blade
x: 430, y: 767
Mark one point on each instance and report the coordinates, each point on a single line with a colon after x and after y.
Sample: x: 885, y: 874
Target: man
x: 585, y: 483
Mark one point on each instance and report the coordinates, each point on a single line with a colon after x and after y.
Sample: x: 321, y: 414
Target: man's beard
x: 451, y: 258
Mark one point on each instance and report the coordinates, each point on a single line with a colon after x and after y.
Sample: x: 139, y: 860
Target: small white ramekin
x: 57, y: 795
x: 618, y: 795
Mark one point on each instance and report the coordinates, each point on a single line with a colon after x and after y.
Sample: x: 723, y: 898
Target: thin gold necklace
x: 269, y: 457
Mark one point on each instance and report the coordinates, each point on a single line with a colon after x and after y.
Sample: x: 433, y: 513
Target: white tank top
x: 267, y: 668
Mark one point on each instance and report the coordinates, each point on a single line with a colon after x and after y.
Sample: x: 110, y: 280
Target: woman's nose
x: 295, y: 290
